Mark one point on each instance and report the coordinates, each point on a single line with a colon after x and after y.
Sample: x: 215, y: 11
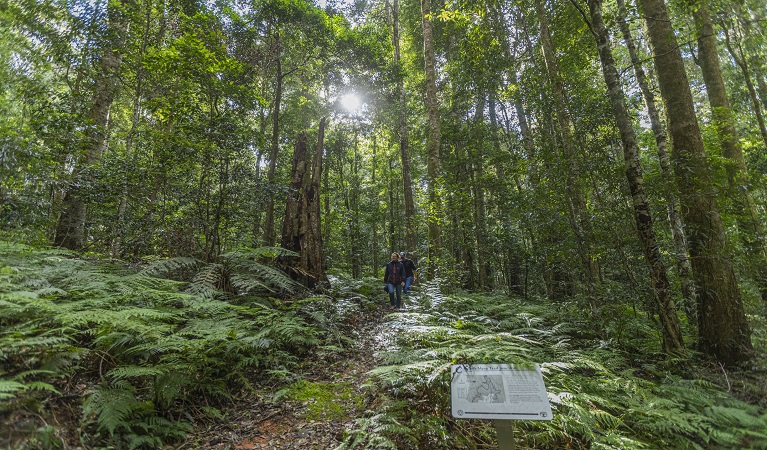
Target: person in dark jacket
x: 410, y: 271
x: 394, y: 277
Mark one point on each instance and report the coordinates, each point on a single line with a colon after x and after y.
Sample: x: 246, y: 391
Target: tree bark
x: 575, y: 198
x: 70, y: 229
x: 121, y: 228
x: 671, y: 329
x: 433, y: 138
x: 752, y: 230
x: 354, y: 212
x: 302, y: 227
x: 274, y: 148
x: 404, y: 141
x: 723, y: 330
x: 476, y: 157
x: 675, y: 222
x: 740, y: 60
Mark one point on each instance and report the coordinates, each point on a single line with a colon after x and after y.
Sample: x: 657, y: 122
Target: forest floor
x: 334, y: 391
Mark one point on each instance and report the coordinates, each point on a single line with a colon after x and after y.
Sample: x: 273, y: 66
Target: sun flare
x: 351, y: 102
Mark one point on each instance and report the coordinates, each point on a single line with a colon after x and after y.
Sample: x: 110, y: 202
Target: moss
x: 326, y: 401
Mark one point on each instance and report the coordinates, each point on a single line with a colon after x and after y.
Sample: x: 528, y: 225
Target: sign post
x: 502, y: 392
x: 505, y: 431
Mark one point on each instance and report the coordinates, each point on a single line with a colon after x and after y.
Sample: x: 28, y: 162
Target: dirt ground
x: 258, y: 422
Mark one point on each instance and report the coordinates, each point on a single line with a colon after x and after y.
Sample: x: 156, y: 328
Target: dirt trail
x: 259, y: 422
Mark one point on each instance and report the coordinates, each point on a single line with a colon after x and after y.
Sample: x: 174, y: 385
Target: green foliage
x: 604, y: 393
x: 377, y: 430
x: 144, y: 353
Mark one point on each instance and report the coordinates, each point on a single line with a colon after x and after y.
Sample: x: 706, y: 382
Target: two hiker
x: 400, y: 273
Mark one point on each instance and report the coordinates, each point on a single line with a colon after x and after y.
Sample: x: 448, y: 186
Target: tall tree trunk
x: 433, y: 138
x: 755, y: 60
x: 374, y: 206
x: 476, y: 158
x: 274, y: 147
x: 575, y: 198
x: 70, y: 229
x: 760, y: 81
x: 675, y: 221
x: 312, y: 250
x: 404, y: 141
x: 740, y: 60
x: 752, y: 230
x: 301, y: 228
x: 723, y: 330
x: 354, y: 214
x: 512, y: 260
x: 671, y: 329
x: 121, y: 228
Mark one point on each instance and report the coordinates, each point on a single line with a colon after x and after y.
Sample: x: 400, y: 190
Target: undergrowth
x: 608, y: 386
x: 140, y: 357
x: 148, y: 355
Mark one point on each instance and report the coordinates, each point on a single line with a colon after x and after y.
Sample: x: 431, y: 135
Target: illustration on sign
x: 499, y: 391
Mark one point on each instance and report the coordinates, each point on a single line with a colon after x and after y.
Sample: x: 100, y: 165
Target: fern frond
x: 247, y: 272
x: 113, y: 407
x: 248, y: 285
x: 9, y: 388
x: 42, y: 386
x: 260, y: 252
x: 123, y: 372
x: 167, y: 266
x: 207, y: 281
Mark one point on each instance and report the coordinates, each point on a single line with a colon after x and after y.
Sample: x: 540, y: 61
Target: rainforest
x: 278, y: 224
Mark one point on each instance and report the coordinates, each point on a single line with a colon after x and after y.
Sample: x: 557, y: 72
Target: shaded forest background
x: 514, y: 146
x: 595, y: 154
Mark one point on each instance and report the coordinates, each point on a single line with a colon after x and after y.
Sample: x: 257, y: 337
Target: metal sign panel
x: 498, y: 391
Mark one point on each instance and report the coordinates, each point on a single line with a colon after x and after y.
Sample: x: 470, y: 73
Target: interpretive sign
x: 499, y: 391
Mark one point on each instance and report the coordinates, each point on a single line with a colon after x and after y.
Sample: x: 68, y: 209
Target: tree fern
x: 170, y: 266
x: 207, y: 281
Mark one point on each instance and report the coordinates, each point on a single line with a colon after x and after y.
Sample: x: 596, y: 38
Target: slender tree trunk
x: 433, y: 137
x: 269, y: 236
x: 392, y: 234
x: 262, y: 123
x: 476, y: 158
x: 740, y: 60
x: 575, y: 198
x: 121, y: 230
x: 354, y: 214
x: 512, y: 260
x: 404, y: 141
x: 374, y: 206
x: 70, y: 230
x: 672, y: 334
x: 723, y: 330
x: 675, y: 221
x: 762, y: 89
x: 752, y: 230
x: 755, y: 60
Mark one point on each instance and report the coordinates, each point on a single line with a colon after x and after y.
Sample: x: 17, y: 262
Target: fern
x: 9, y: 388
x: 146, y: 345
x: 206, y: 283
x: 375, y: 432
x: 251, y: 276
x: 113, y: 406
x: 123, y: 372
x: 170, y: 266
